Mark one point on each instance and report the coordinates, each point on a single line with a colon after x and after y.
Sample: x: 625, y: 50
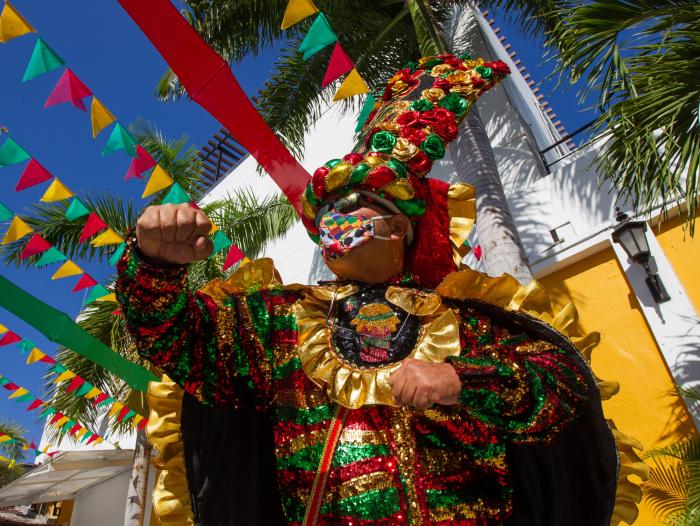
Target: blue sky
x: 108, y: 52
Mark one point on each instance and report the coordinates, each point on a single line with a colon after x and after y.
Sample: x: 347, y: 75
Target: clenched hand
x: 421, y: 384
x: 174, y: 234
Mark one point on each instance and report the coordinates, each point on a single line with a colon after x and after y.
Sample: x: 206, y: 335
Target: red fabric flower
x: 408, y: 118
x: 379, y: 177
x: 414, y: 135
x: 477, y: 81
x: 420, y: 163
x: 443, y: 84
x: 353, y: 158
x: 447, y: 130
x: 318, y: 181
x: 499, y: 67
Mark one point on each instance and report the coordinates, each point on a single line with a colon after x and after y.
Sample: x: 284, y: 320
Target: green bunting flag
x: 76, y: 210
x: 114, y: 258
x: 364, y: 113
x: 52, y: 255
x: 96, y: 293
x: 26, y: 345
x: 43, y: 60
x: 12, y: 153
x: 176, y: 195
x: 5, y: 213
x: 220, y: 242
x: 24, y: 398
x: 120, y: 139
x: 84, y: 389
x: 320, y: 35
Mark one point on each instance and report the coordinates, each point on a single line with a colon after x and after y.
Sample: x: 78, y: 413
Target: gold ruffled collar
x: 348, y: 384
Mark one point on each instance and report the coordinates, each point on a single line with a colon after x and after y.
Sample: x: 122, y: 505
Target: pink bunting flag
x: 36, y: 245
x: 76, y: 382
x: 69, y: 88
x: 35, y: 405
x: 84, y: 282
x: 47, y: 359
x: 93, y: 225
x: 33, y: 174
x: 142, y: 162
x: 235, y: 254
x: 338, y: 66
x: 9, y: 338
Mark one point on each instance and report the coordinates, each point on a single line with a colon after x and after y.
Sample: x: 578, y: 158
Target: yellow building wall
x: 644, y: 408
x: 683, y: 252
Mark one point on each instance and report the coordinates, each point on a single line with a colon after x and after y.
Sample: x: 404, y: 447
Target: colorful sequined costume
x: 302, y: 371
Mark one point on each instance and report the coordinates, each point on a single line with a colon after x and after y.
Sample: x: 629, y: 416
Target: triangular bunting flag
x: 108, y: 237
x: 114, y: 258
x: 319, y: 36
x: 365, y: 112
x: 69, y: 88
x: 97, y: 292
x: 86, y: 436
x: 65, y: 375
x: 36, y: 404
x: 100, y: 117
x: 3, y: 329
x: 12, y: 153
x: 116, y: 407
x: 93, y: 225
x: 158, y: 181
x: 35, y: 245
x: 139, y: 164
x: 66, y: 270
x: 142, y: 424
x: 10, y: 386
x: 136, y: 421
x: 33, y: 174
x: 220, y: 241
x: 9, y: 338
x: 52, y: 255
x: 235, y: 254
x: 26, y: 397
x: 84, y: 389
x: 26, y: 345
x: 17, y: 230
x: 35, y: 356
x: 81, y: 434
x: 176, y: 195
x: 47, y: 359
x: 75, y: 382
x: 61, y: 421
x: 12, y: 24
x: 57, y: 191
x: 76, y: 210
x: 338, y: 66
x: 5, y: 213
x: 122, y: 413
x: 74, y: 429
x: 19, y: 392
x: 92, y: 393
x: 120, y: 139
x: 101, y: 397
x: 84, y: 282
x: 352, y: 85
x: 92, y: 439
x: 298, y: 10
x: 58, y: 369
x: 43, y: 60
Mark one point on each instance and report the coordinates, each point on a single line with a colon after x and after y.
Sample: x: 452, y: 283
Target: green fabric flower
x: 486, y: 73
x: 433, y: 146
x: 411, y: 207
x: 455, y: 103
x: 383, y: 142
x: 421, y: 105
x: 412, y: 65
x: 466, y: 56
x: 431, y: 63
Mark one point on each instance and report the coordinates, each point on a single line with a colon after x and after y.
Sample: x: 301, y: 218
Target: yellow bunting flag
x: 17, y: 230
x: 46, y: 448
x: 19, y: 392
x: 116, y: 407
x: 5, y: 438
x: 35, y: 356
x: 109, y: 297
x: 214, y: 229
x: 158, y: 181
x: 92, y: 393
x: 352, y: 85
x: 13, y: 463
x: 108, y: 237
x: 136, y: 420
x: 80, y: 433
x: 99, y: 440
x: 57, y: 191
x: 12, y: 24
x: 298, y: 10
x: 66, y: 270
x: 100, y: 116
x: 3, y: 329
x: 66, y: 375
x: 61, y: 422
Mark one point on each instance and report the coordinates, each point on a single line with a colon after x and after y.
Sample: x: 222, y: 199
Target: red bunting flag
x: 142, y: 424
x: 47, y: 359
x: 92, y: 439
x: 142, y: 162
x: 9, y: 338
x: 99, y: 399
x: 235, y: 254
x: 33, y: 174
x: 124, y: 411
x: 69, y: 88
x: 76, y: 382
x: 86, y: 281
x: 36, y: 245
x: 75, y: 429
x: 338, y: 66
x: 11, y: 386
x: 93, y: 225
x: 56, y: 417
x: 35, y: 405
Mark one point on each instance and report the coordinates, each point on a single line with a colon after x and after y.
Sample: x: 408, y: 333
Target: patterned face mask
x: 341, y: 233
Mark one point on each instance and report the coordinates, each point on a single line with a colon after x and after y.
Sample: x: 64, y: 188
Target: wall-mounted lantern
x: 631, y: 235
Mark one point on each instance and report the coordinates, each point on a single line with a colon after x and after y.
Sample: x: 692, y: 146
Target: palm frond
x: 12, y: 450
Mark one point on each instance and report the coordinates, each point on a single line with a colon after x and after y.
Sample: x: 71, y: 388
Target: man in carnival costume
x: 409, y: 391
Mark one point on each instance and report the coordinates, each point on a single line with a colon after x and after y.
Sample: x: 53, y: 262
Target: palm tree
x: 641, y: 59
x: 13, y: 450
x: 248, y: 221
x: 381, y: 36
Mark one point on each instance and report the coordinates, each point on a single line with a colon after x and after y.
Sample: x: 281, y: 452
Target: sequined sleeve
x: 528, y: 388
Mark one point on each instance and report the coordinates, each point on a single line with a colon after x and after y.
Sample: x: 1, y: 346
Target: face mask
x: 341, y: 233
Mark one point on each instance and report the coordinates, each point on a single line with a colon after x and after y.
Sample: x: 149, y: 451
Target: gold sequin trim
x: 362, y: 484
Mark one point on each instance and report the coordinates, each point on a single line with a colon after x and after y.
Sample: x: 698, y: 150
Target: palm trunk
x: 138, y: 484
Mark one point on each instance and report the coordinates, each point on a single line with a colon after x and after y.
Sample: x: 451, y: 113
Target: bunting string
x: 26, y: 445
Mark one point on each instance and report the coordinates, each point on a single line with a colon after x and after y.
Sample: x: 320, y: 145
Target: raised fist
x: 174, y: 234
